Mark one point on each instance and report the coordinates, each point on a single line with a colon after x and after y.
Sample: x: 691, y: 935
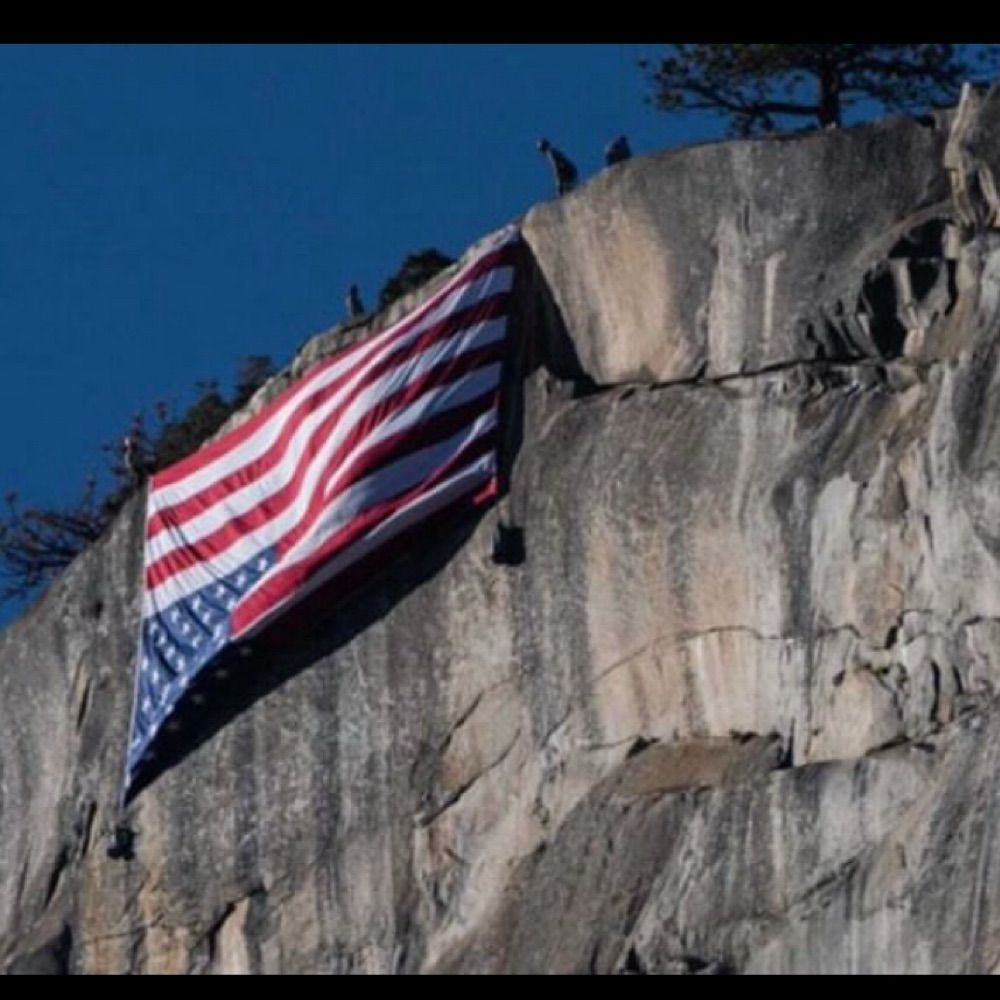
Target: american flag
x: 378, y: 438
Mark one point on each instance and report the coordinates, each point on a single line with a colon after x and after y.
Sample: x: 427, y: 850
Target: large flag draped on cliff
x: 373, y: 441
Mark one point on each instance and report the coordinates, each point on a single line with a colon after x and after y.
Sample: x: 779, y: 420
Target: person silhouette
x: 562, y: 168
x: 617, y: 151
x: 355, y: 307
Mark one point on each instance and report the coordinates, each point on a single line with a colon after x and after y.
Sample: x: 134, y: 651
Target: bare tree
x: 36, y: 544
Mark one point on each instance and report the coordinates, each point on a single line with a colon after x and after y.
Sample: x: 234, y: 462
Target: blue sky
x: 171, y: 209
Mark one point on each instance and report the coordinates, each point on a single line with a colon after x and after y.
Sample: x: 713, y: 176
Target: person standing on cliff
x: 130, y: 459
x: 562, y: 167
x: 355, y: 307
x: 135, y: 452
x: 617, y: 151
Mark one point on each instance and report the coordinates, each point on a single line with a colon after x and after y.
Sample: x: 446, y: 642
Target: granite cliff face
x: 735, y: 712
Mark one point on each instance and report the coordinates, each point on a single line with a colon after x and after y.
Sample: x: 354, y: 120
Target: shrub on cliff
x: 417, y: 269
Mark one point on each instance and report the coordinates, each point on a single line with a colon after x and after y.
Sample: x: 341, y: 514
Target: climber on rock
x: 562, y: 168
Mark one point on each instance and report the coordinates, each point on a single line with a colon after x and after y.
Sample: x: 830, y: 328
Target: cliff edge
x: 735, y: 712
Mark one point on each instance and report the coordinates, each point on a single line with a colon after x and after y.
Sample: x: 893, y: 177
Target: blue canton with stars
x: 177, y: 643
